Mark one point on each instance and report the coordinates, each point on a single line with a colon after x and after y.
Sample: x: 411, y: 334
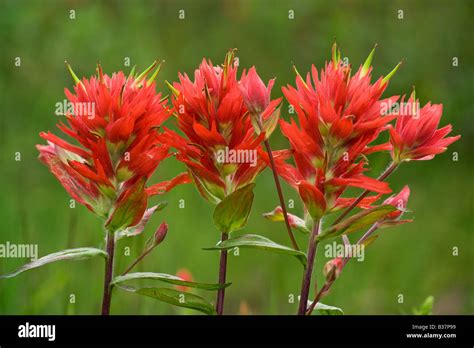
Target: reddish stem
x: 222, y: 277
x: 137, y: 260
x: 109, y: 265
x: 278, y: 187
x: 306, y: 282
x: 327, y: 285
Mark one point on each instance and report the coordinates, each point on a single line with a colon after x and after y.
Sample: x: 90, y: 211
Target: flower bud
x: 295, y: 221
x: 312, y: 198
x: 160, y: 233
x: 333, y: 268
x: 254, y: 92
x: 399, y: 201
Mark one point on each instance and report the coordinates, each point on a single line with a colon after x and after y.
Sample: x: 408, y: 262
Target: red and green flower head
x: 117, y: 145
x: 264, y: 112
x: 220, y: 147
x: 416, y: 135
x: 339, y: 117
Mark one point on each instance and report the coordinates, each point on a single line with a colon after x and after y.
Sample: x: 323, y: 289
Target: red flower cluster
x: 415, y: 136
x: 221, y: 150
x: 339, y: 117
x: 118, y: 147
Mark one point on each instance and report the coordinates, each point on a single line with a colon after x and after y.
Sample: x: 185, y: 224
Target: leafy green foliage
x: 232, y: 212
x: 357, y: 221
x: 69, y: 254
x: 167, y: 278
x: 326, y: 309
x: 254, y: 241
x: 174, y: 297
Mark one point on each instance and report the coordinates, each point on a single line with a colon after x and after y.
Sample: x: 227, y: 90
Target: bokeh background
x: 415, y: 260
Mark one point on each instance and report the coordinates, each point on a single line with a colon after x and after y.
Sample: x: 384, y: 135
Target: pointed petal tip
x: 71, y: 72
x: 391, y: 73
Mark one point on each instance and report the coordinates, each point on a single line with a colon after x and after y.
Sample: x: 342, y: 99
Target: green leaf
x: 357, y: 221
x: 137, y: 229
x: 174, y: 297
x: 426, y: 307
x: 391, y: 223
x: 327, y: 310
x: 233, y: 211
x: 205, y: 189
x: 168, y: 278
x: 254, y: 241
x: 69, y: 254
x: 370, y: 240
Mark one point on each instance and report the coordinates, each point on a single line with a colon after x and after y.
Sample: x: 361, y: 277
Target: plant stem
x: 137, y: 260
x: 320, y: 293
x: 367, y: 234
x: 306, y: 282
x: 109, y: 268
x: 278, y: 187
x: 222, y: 276
x: 386, y: 173
x: 327, y: 285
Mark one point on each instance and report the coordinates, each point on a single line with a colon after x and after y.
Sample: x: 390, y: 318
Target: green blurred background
x: 415, y: 260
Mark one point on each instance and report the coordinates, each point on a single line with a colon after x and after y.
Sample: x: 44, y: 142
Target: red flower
x: 263, y: 111
x: 220, y: 147
x: 400, y: 201
x: 185, y: 275
x: 416, y: 135
x: 339, y: 116
x: 118, y: 145
x: 256, y: 95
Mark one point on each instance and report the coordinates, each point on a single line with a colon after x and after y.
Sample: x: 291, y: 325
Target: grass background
x: 415, y: 260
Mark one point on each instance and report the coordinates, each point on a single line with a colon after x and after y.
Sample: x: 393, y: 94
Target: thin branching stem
x: 279, y: 190
x: 390, y: 169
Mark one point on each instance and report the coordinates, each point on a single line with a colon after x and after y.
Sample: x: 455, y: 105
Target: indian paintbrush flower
x: 118, y: 146
x: 217, y: 117
x: 339, y: 117
x: 117, y: 151
x: 212, y: 114
x: 416, y: 135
